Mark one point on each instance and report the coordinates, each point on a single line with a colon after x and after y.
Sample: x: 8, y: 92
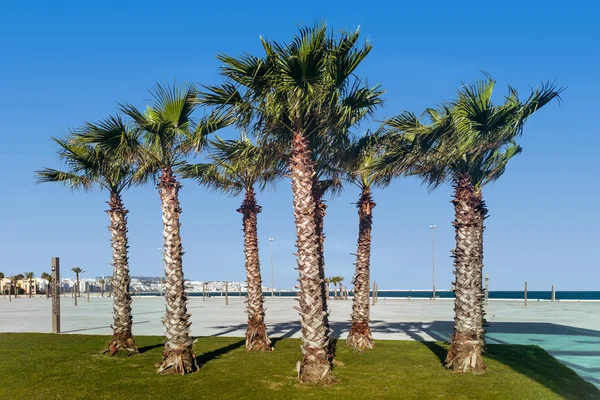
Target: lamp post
x: 271, y: 257
x: 432, y: 227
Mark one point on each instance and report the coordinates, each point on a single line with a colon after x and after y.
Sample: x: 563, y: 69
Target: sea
x: 423, y: 294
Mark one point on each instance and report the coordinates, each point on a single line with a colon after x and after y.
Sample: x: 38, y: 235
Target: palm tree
x: 18, y: 278
x: 48, y: 278
x: 102, y: 282
x: 337, y: 282
x: 169, y: 134
x: 298, y: 95
x: 92, y: 166
x: 360, y: 157
x: 240, y: 166
x: 29, y: 277
x: 468, y: 143
x: 77, y: 291
x: 11, y: 281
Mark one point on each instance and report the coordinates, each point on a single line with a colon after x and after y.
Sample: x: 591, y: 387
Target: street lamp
x: 432, y: 227
x: 271, y: 257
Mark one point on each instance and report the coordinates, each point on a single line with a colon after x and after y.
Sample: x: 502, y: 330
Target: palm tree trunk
x: 467, y: 345
x: 481, y: 216
x: 320, y: 211
x: 178, y: 355
x: 256, y: 334
x: 316, y: 364
x: 76, y: 288
x: 360, y: 337
x: 122, y: 319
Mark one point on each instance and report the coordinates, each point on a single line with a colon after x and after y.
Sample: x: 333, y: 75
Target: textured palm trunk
x: 256, y: 334
x: 315, y: 366
x: 320, y: 212
x: 178, y: 355
x: 359, y: 337
x: 467, y: 345
x: 122, y: 319
x: 481, y: 215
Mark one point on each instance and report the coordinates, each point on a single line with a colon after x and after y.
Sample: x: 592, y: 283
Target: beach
x: 570, y: 331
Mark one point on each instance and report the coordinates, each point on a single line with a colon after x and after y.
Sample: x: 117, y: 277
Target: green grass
x: 46, y: 366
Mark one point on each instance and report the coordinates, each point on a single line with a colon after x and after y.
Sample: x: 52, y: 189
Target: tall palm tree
x: 48, y: 278
x: 361, y: 155
x: 169, y: 134
x: 77, y: 290
x: 91, y: 166
x: 29, y: 277
x: 240, y: 166
x: 468, y: 143
x: 297, y: 95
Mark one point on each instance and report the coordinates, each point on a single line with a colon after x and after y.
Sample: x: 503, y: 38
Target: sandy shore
x: 568, y: 330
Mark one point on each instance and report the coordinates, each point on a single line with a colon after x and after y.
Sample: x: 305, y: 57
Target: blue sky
x: 63, y: 65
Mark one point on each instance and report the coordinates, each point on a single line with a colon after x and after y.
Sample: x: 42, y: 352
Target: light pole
x: 432, y: 227
x: 271, y: 257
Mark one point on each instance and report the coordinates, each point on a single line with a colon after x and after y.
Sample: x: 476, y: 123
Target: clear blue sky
x: 67, y: 62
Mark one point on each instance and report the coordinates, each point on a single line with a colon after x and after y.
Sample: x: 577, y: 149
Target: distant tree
x: 18, y: 284
x: 102, y: 282
x: 29, y: 277
x: 48, y: 278
x: 336, y: 281
x: 77, y: 271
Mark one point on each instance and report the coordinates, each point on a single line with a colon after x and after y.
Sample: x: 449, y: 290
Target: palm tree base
x: 464, y: 354
x: 360, y: 337
x: 256, y: 337
x: 121, y: 342
x: 178, y: 361
x: 315, y: 368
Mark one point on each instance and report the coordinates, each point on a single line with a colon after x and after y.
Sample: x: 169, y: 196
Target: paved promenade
x: 568, y: 330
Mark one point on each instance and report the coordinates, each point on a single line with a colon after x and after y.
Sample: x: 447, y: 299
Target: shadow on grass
x: 438, y: 350
x: 144, y: 349
x: 536, y: 363
x: 217, y: 353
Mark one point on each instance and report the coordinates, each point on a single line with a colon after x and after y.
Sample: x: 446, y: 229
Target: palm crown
x: 307, y: 85
x: 470, y: 137
x: 359, y: 159
x: 89, y: 164
x: 170, y: 131
x: 237, y: 165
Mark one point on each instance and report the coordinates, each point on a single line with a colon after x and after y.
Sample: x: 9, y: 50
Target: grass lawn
x: 46, y: 366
